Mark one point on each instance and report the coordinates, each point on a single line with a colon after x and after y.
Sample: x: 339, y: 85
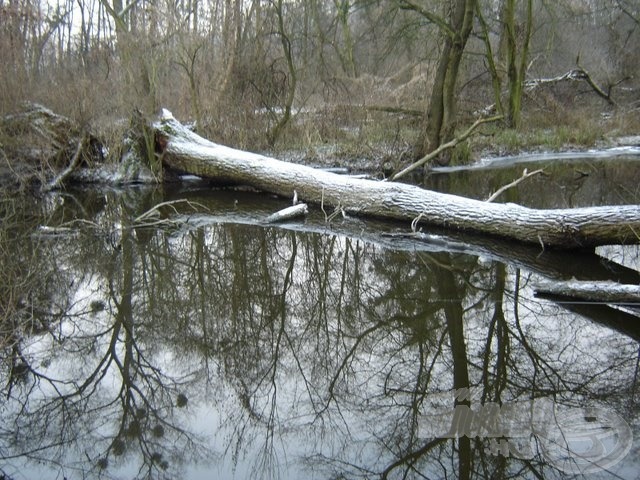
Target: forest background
x: 382, y: 79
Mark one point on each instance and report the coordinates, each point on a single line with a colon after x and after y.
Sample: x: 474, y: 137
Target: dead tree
x: 183, y: 150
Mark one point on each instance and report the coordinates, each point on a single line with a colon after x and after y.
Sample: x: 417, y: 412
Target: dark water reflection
x: 574, y: 182
x: 210, y: 349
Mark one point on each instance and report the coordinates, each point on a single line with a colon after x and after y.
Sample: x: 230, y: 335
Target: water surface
x: 199, y: 343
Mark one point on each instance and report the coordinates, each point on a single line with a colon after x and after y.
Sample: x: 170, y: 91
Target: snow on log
x: 603, y: 292
x: 185, y: 151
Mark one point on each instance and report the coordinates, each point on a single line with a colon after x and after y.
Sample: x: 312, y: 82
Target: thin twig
x: 338, y: 209
x: 414, y: 222
x: 326, y: 219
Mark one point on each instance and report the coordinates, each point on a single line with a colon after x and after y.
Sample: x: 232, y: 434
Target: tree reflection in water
x: 236, y: 349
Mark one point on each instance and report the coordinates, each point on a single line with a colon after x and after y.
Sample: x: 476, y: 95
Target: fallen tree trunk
x: 600, y: 292
x: 185, y: 151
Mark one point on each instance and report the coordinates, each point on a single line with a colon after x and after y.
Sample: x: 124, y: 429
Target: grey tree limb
x: 588, y: 227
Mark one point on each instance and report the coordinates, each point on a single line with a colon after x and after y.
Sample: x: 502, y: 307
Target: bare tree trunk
x: 185, y: 151
x: 496, y: 77
x: 516, y: 67
x: 292, y: 78
x: 231, y: 33
x: 346, y: 52
x: 441, y: 113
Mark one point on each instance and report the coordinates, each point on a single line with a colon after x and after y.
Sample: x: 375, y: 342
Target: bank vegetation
x: 389, y: 81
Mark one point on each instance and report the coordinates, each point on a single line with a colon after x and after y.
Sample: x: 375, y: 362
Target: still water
x: 191, y: 341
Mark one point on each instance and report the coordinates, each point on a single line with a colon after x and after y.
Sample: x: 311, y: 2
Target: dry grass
x: 334, y: 119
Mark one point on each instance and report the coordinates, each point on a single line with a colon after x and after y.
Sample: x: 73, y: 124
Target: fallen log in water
x: 294, y: 211
x: 185, y: 151
x: 600, y: 292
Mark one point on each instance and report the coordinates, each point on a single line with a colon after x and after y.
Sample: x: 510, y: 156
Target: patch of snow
x: 190, y: 178
x: 166, y: 115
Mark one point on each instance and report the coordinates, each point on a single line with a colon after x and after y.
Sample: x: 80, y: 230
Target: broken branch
x: 445, y: 146
x: 524, y: 176
x: 58, y: 182
x: 288, y: 213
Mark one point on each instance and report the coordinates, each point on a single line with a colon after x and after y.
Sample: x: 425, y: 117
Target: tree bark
x: 443, y: 147
x: 185, y: 151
